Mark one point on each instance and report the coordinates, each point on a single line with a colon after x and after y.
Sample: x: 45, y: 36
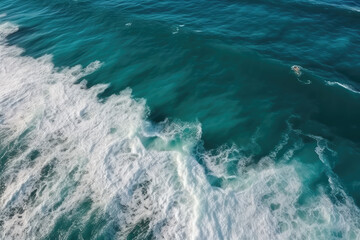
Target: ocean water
x: 183, y: 119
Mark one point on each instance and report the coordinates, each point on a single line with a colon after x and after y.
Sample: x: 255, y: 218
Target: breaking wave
x: 71, y: 162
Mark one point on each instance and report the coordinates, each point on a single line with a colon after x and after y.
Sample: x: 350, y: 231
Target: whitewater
x: 74, y: 162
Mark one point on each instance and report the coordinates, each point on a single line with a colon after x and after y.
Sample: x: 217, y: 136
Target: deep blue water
x: 173, y: 119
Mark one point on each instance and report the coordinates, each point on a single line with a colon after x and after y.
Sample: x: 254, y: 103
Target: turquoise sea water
x: 183, y: 119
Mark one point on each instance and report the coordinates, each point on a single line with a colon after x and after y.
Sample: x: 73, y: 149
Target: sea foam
x: 72, y: 160
x: 343, y: 85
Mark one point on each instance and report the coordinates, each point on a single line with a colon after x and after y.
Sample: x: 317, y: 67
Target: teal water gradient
x: 224, y: 65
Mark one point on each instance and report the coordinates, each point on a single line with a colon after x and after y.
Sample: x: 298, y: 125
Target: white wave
x: 343, y: 85
x: 96, y: 142
x: 175, y: 30
x: 87, y: 150
x: 339, y: 5
x: 6, y: 29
